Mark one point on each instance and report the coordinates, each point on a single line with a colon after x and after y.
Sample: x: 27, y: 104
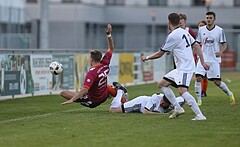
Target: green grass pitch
x: 42, y: 121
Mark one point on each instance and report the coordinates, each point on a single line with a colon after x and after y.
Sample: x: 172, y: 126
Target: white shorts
x: 212, y: 73
x: 179, y: 78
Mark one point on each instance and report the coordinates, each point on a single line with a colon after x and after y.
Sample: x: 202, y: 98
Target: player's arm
x: 146, y: 111
x: 223, y: 48
x: 198, y: 51
x: 153, y: 56
x: 223, y: 45
x: 108, y: 31
x: 168, y: 46
x: 77, y: 96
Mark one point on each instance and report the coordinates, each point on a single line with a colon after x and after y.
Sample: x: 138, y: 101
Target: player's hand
x: 108, y: 30
x: 67, y: 102
x: 144, y: 58
x: 218, y: 54
x: 206, y: 66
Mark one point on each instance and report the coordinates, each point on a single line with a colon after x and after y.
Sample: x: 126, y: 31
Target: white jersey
x: 151, y: 103
x: 211, y: 42
x: 179, y: 42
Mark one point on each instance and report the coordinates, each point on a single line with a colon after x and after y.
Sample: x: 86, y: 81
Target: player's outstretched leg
x: 125, y: 95
x: 195, y: 108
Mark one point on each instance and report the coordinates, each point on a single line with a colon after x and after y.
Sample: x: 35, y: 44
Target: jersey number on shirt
x: 184, y: 37
x: 102, y: 77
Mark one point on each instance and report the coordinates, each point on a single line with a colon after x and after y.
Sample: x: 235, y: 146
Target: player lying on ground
x: 155, y: 104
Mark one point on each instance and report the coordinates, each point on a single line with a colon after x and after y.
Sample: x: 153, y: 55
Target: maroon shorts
x: 85, y: 101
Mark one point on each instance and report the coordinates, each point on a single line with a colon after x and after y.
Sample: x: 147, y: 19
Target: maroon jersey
x: 194, y: 36
x: 96, y: 79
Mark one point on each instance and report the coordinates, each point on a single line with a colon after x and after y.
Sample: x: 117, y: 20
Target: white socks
x: 198, y: 90
x: 192, y: 103
x: 171, y: 97
x: 116, y: 102
x: 224, y: 87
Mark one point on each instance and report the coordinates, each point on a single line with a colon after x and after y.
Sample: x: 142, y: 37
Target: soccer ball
x: 55, y: 68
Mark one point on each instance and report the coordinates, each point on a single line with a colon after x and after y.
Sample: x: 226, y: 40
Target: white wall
x: 98, y: 2
x: 222, y: 2
x: 179, y: 2
x: 12, y: 11
x: 136, y: 2
x: 170, y: 2
x: 13, y: 3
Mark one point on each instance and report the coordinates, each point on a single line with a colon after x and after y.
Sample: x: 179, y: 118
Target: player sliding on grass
x: 155, y: 104
x: 180, y: 42
x: 95, y: 89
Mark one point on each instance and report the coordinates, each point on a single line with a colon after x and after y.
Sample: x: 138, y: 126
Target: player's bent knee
x: 217, y: 82
x: 160, y: 85
x: 63, y: 93
x: 181, y: 91
x: 199, y: 77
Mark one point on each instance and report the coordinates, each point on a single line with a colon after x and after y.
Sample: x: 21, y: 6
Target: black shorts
x: 85, y: 101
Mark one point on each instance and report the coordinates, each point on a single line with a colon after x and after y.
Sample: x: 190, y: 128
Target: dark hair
x: 96, y: 55
x: 166, y: 100
x: 211, y: 13
x: 184, y: 16
x: 202, y: 21
x: 174, y: 19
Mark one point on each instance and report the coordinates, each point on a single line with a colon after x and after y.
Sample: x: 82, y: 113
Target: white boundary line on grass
x: 39, y: 116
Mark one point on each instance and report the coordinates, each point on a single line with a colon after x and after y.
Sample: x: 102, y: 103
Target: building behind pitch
x: 139, y: 25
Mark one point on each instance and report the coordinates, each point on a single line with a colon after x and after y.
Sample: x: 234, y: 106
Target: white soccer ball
x: 56, y: 68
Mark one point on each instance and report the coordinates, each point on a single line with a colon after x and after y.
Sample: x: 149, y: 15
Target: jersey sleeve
x: 198, y: 39
x: 169, y: 44
x: 89, y: 79
x: 223, y: 37
x: 106, y: 58
x: 191, y: 39
x: 151, y: 104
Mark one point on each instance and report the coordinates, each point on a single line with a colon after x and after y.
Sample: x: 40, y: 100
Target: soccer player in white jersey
x: 180, y: 42
x: 213, y: 40
x: 155, y: 104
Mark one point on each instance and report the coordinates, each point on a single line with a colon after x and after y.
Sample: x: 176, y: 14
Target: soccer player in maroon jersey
x: 95, y: 88
x: 183, y: 24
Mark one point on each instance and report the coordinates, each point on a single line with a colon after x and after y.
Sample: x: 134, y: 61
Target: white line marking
x: 39, y: 116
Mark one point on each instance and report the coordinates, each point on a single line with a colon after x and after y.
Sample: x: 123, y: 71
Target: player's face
x: 201, y: 24
x: 169, y: 26
x: 182, y: 23
x: 210, y: 19
x: 90, y: 60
